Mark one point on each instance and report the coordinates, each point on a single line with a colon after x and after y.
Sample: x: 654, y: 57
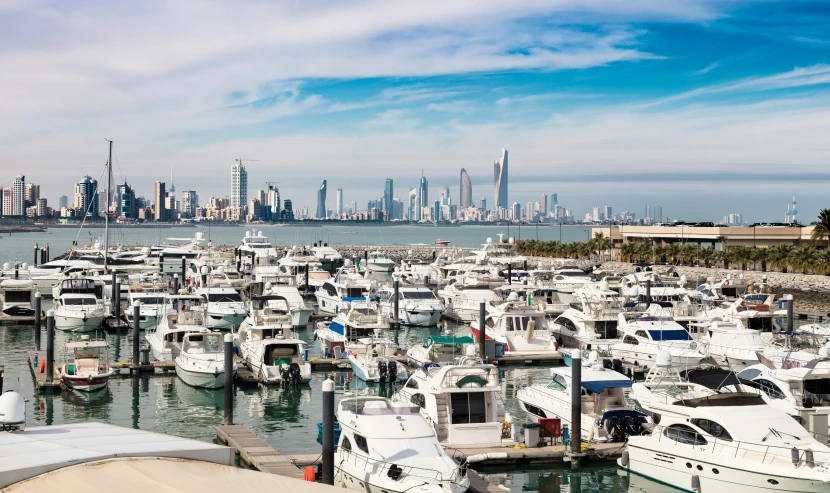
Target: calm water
x: 20, y: 245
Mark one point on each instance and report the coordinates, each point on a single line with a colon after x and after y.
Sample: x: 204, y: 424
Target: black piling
x: 37, y: 250
x: 161, y: 263
x: 306, y: 279
x: 510, y: 273
x: 38, y: 315
x: 136, y: 330
x: 2, y: 377
x: 175, y: 283
x: 482, y: 329
x: 328, y: 432
x: 47, y: 252
x: 648, y: 292
x: 396, y: 314
x: 788, y: 305
x: 184, y: 270
x: 576, y: 404
x: 50, y: 345
x: 228, y: 379
x: 116, y: 301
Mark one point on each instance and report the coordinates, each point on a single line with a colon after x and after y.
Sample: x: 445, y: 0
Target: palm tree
x: 688, y: 253
x: 627, y: 251
x: 707, y: 255
x: 779, y: 257
x: 804, y: 258
x: 823, y: 257
x: 760, y: 255
x: 673, y: 252
x: 743, y: 255
x: 726, y: 256
x: 822, y: 226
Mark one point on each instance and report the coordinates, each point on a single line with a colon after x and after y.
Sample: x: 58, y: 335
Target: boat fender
x: 309, y: 474
x: 808, y: 458
x: 42, y: 366
x: 695, y: 482
x: 795, y: 456
x: 591, y: 434
x: 624, y: 459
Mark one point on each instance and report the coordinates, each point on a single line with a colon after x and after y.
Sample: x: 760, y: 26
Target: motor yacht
x: 17, y: 297
x: 664, y: 385
x: 78, y: 305
x: 225, y: 308
x: 299, y: 309
x: 521, y: 329
x: 643, y: 335
x: 344, y: 287
x: 265, y: 343
x: 359, y: 323
x: 591, y: 322
x: 370, y: 363
x: 733, y: 345
x: 256, y: 250
x: 755, y: 310
x: 389, y: 447
x: 165, y: 339
x: 436, y: 346
x: 417, y: 305
x: 153, y: 303
x: 330, y: 259
x: 605, y: 415
x: 379, y: 262
x: 86, y: 364
x: 461, y: 303
x: 201, y: 361
x: 569, y: 278
x: 461, y: 402
x: 299, y: 264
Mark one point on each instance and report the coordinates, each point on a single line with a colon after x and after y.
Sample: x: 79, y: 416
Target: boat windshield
x: 224, y: 297
x: 670, y: 335
x: 572, y: 274
x: 418, y: 295
x: 203, y: 344
x: 151, y: 300
x: 79, y: 301
x: 378, y: 407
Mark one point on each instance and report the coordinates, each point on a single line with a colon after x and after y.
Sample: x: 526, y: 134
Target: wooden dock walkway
x: 493, y: 456
x: 256, y: 452
x: 40, y: 377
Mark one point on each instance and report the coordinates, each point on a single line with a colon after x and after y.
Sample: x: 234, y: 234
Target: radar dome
x: 514, y: 296
x: 663, y: 359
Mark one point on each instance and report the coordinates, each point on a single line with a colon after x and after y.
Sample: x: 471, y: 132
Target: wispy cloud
x: 705, y: 70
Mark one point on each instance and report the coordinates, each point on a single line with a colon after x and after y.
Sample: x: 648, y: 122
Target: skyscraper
x: 554, y: 201
x: 86, y: 197
x: 31, y: 194
x: 543, y: 205
x: 190, y: 202
x: 388, y: 195
x: 339, y: 201
x: 19, y: 191
x: 413, y: 198
x: 126, y: 202
x: 500, y: 180
x: 321, y: 201
x: 483, y: 204
x: 423, y: 198
x: 63, y: 201
x: 466, y: 199
x: 273, y: 201
x: 159, y: 198
x: 239, y: 185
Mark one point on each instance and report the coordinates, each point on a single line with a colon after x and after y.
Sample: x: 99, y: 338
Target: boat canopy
x: 450, y: 340
x: 598, y: 386
x: 597, y: 379
x: 670, y: 335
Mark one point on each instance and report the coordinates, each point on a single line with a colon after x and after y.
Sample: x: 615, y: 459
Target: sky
x: 703, y: 107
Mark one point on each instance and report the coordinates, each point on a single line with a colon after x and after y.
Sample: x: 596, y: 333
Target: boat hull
x: 352, y: 482
x: 85, y: 384
x: 224, y: 321
x: 202, y: 380
x: 72, y: 323
x: 422, y: 317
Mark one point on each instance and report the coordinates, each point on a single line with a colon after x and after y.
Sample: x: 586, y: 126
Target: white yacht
x: 265, y: 343
x: 153, y: 304
x: 360, y: 323
x: 344, y: 287
x: 605, y: 415
x: 462, y: 303
x: 165, y: 339
x: 225, y: 307
x: 78, y: 305
x: 329, y: 258
x: 732, y: 345
x: 521, y: 329
x: 435, y: 346
x: 17, y: 297
x: 299, y: 309
x: 299, y: 263
x: 256, y: 250
x: 176, y: 248
x: 569, y: 278
x: 370, y: 363
x: 591, y: 322
x: 461, y: 401
x: 379, y: 262
x: 201, y: 361
x: 388, y: 447
x: 664, y: 385
x: 729, y: 442
x: 417, y: 305
x: 86, y: 365
x: 644, y: 335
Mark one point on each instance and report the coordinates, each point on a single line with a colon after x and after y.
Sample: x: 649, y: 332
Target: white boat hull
x: 74, y: 323
x: 381, y: 484
x: 205, y: 380
x: 422, y: 317
x: 224, y: 321
x: 300, y: 317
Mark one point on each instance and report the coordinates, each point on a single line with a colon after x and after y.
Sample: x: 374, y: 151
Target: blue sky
x: 704, y: 107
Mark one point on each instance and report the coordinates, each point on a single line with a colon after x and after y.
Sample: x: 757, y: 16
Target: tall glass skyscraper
x: 388, y: 195
x: 500, y: 180
x: 321, y: 201
x: 423, y: 198
x: 466, y: 190
x: 339, y: 201
x: 86, y: 196
x: 239, y: 185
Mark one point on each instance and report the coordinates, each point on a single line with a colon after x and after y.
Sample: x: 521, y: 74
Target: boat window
x: 558, y: 382
x: 641, y: 333
x: 361, y: 443
x: 684, y: 434
x: 817, y: 385
x: 147, y: 300
x: 769, y: 388
x: 468, y: 408
x: 749, y: 373
x: 224, y: 297
x: 346, y: 444
x: 418, y: 295
x: 712, y: 428
x: 419, y: 400
x: 203, y: 344
x: 566, y: 323
x: 509, y: 322
x: 412, y: 383
x: 18, y: 296
x: 490, y: 322
x: 355, y: 293
x: 79, y: 301
x: 630, y: 340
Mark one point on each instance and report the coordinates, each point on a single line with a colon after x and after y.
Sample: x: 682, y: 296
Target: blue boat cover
x: 337, y: 327
x: 620, y: 413
x: 670, y: 335
x: 598, y: 386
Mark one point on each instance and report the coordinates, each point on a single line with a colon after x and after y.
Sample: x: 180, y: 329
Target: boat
x: 256, y: 250
x: 86, y: 364
x: 360, y: 323
x: 299, y: 309
x: 329, y: 258
x: 643, y: 335
x: 201, y: 361
x: 417, y: 305
x: 461, y: 401
x: 78, y: 305
x: 733, y: 345
x: 153, y: 303
x: 462, y: 303
x: 344, y: 287
x: 591, y: 321
x: 370, y: 363
x: 165, y: 339
x: 440, y: 243
x: 224, y: 307
x: 522, y: 330
x: 17, y: 297
x: 266, y: 345
x: 299, y: 264
x: 605, y: 415
x: 389, y: 447
x: 729, y: 442
x: 379, y: 262
x: 420, y: 354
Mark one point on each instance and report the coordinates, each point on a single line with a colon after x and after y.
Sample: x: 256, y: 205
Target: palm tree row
x: 785, y: 258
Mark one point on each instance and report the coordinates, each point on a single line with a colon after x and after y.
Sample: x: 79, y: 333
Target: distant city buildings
x: 127, y: 207
x: 190, y: 202
x: 388, y: 195
x: 86, y: 197
x: 239, y: 185
x: 160, y: 211
x: 500, y: 180
x: 733, y: 220
x: 465, y: 190
x: 339, y: 201
x: 791, y: 216
x: 321, y: 201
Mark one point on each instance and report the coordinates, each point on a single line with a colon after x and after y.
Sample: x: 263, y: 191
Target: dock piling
x: 116, y: 301
x: 37, y: 320
x: 36, y: 255
x: 175, y: 283
x: 50, y: 345
x: 328, y: 432
x: 510, y: 273
x: 161, y: 263
x: 482, y: 328
x: 306, y: 278
x: 576, y: 407
x: 228, y: 379
x: 648, y: 292
x: 184, y: 269
x: 2, y: 377
x: 136, y: 329
x: 396, y: 314
x: 788, y: 305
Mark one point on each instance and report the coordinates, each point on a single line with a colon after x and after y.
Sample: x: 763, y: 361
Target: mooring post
x: 116, y: 301
x: 306, y: 278
x: 788, y: 305
x: 50, y: 345
x: 36, y: 256
x: 37, y: 320
x: 42, y: 255
x: 648, y: 292
x: 482, y: 329
x: 2, y: 377
x: 136, y: 330
x: 175, y: 283
x: 228, y: 379
x: 184, y: 270
x: 161, y: 263
x: 47, y: 252
x: 328, y: 432
x: 396, y: 315
x: 576, y: 406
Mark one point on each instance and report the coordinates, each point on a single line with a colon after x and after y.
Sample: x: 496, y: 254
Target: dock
x: 255, y: 452
x: 41, y: 382
x: 555, y: 454
x: 17, y: 319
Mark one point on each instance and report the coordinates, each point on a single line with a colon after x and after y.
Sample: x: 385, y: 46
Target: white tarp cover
x: 37, y: 450
x: 161, y: 476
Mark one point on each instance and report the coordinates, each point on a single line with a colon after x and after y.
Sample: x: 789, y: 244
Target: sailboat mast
x: 107, y: 210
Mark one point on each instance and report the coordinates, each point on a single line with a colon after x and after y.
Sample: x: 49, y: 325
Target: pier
x: 255, y: 452
x: 41, y: 380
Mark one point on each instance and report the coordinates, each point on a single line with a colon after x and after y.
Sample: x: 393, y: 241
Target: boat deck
x: 40, y: 377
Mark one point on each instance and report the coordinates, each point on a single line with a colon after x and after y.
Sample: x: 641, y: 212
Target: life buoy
x: 726, y: 282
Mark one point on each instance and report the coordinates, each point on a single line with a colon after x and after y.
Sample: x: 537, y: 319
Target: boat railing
x: 765, y: 454
x: 382, y: 468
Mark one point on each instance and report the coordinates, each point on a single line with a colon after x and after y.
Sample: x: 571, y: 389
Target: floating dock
x: 41, y: 381
x: 256, y: 452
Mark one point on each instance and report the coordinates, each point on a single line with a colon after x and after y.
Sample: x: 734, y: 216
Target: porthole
x: 715, y: 470
x: 772, y: 481
x: 689, y: 465
x: 699, y: 467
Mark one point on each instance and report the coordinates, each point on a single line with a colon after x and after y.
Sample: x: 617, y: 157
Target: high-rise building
x: 339, y: 201
x: 321, y: 201
x: 500, y: 180
x: 483, y: 204
x: 86, y: 197
x: 8, y: 200
x: 543, y: 205
x: 31, y: 194
x: 63, y: 201
x: 127, y: 207
x: 190, y: 202
x: 42, y: 209
x: 517, y: 211
x: 288, y: 212
x: 388, y: 194
x: 413, y: 199
x: 444, y: 195
x: 397, y: 208
x: 19, y: 194
x: 554, y: 200
x: 791, y: 216
x: 239, y: 185
x: 436, y: 211
x: 597, y: 215
x: 609, y: 214
x: 423, y: 197
x: 466, y: 186
x: 159, y: 198
x: 273, y: 201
